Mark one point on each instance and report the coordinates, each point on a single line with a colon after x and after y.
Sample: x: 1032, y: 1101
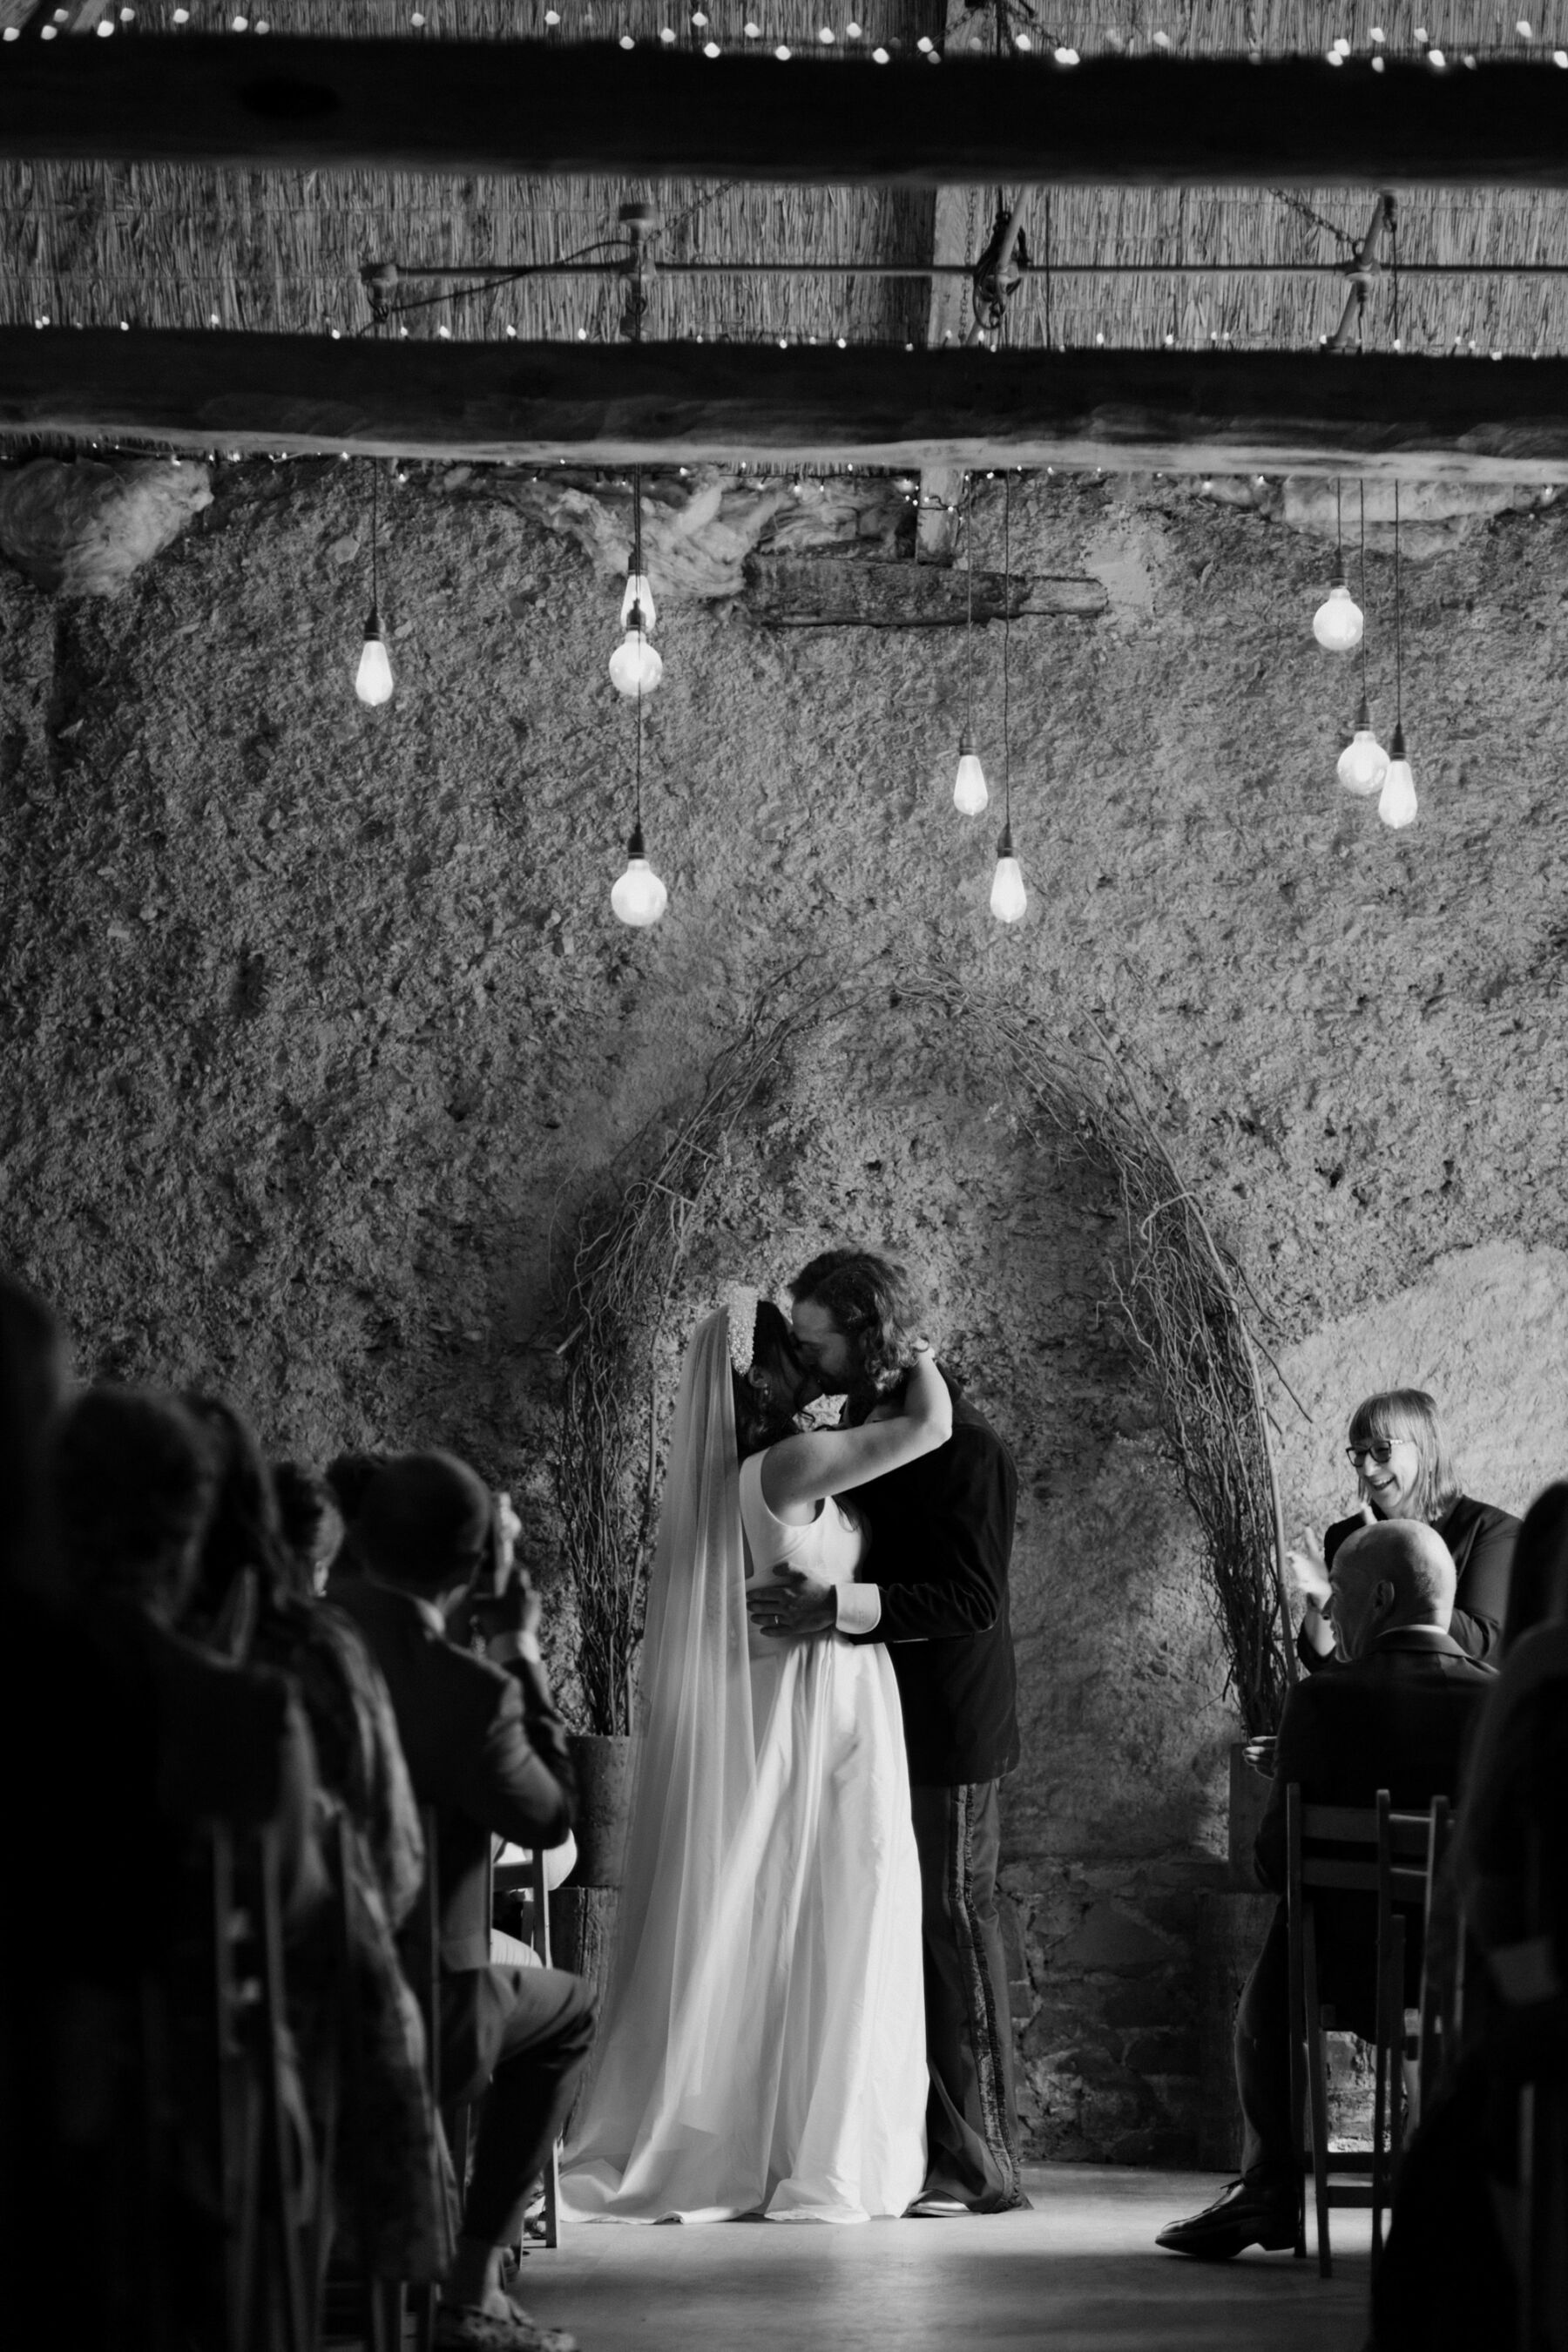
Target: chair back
x: 1367, y: 1850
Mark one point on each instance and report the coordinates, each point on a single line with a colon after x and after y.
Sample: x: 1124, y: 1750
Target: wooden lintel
x: 463, y: 107
x: 838, y: 591
x: 1184, y: 412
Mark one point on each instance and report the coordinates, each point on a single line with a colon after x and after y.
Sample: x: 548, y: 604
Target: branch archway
x: 1180, y: 1293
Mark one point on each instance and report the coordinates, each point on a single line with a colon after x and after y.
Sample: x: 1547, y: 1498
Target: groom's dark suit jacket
x: 941, y: 1536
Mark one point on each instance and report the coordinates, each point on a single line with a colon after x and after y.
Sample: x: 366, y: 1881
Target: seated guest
x: 247, y: 1587
x: 185, y: 1739
x: 1508, y: 1866
x: 1396, y: 1716
x: 135, y: 1480
x: 311, y: 1522
x: 487, y: 1750
x: 1405, y: 1471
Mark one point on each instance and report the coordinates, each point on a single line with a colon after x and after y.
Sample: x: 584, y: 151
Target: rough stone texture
x: 315, y: 1027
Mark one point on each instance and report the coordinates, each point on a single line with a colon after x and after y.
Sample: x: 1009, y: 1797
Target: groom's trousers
x: 972, y: 2124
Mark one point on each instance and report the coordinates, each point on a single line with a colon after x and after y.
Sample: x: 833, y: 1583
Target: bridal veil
x: 692, y: 1788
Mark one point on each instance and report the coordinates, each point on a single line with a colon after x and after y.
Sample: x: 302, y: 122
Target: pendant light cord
x: 1361, y: 489
x: 1339, y: 530
x: 637, y: 521
x: 1398, y: 628
x: 638, y: 786
x: 374, y: 519
x: 1007, y: 645
x: 969, y: 624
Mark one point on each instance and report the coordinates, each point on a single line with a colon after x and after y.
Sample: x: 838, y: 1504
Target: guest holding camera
x: 1404, y: 1470
x: 487, y: 1750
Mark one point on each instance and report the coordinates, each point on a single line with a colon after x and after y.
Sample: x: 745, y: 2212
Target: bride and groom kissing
x: 807, y: 2012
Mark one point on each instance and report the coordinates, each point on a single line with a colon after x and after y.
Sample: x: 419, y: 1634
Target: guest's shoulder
x: 1466, y: 1517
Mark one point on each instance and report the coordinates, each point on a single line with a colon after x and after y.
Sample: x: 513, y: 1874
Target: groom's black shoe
x: 1241, y: 2216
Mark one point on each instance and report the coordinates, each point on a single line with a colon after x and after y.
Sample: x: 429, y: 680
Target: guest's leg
x: 540, y: 2028
x: 1263, y: 2063
x: 972, y: 2127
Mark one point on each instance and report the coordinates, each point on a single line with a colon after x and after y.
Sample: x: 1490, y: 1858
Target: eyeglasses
x: 1380, y: 1451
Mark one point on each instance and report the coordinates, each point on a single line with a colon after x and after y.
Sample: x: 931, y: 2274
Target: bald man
x: 1397, y: 1717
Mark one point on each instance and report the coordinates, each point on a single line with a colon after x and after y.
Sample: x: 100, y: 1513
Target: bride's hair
x: 877, y: 1305
x: 758, y: 1420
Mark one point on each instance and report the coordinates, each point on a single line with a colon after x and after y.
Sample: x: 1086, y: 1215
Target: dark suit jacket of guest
x: 484, y: 1746
x: 1399, y: 1718
x: 941, y: 1538
x: 1481, y: 1539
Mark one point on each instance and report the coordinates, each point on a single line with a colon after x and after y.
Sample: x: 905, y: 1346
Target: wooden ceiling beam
x: 663, y: 403
x: 461, y: 107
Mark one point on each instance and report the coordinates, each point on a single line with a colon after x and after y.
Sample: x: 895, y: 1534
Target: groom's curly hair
x: 878, y: 1306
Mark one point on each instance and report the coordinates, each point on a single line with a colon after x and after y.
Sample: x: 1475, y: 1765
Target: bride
x: 762, y: 2049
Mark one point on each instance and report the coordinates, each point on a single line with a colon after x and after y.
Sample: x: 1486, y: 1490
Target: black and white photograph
x: 783, y: 1176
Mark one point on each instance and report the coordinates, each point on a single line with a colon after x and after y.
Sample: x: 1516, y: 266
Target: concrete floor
x: 1080, y: 2274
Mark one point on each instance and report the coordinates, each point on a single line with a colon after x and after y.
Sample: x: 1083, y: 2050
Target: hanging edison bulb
x: 1397, y: 802
x: 1364, y: 763
x: 1337, y: 623
x: 638, y: 897
x: 372, y: 679
x: 635, y: 666
x: 969, y: 793
x: 1008, y: 897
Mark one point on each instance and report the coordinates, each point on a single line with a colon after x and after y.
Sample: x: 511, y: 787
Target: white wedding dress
x: 764, y: 2045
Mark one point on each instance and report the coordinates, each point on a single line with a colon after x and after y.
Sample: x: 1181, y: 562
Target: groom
x: 942, y: 1533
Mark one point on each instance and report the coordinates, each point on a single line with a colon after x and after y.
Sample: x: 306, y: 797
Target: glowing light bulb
x: 372, y: 679
x: 1008, y: 897
x: 637, y: 592
x: 638, y: 898
x: 635, y: 666
x: 1397, y: 802
x: 969, y: 793
x: 1337, y: 623
x: 1364, y: 763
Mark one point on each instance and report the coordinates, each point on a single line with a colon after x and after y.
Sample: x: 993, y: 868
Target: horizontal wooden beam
x: 845, y: 592
x: 463, y: 107
x: 1187, y: 411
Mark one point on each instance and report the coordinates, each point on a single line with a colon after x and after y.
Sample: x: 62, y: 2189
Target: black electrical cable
x: 1006, y: 647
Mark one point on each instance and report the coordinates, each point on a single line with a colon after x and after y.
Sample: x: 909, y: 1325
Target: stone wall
x: 315, y: 1028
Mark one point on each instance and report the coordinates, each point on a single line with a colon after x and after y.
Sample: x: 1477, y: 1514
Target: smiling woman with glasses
x: 1405, y: 1471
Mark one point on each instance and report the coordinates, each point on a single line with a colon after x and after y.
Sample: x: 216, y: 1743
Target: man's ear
x: 1383, y: 1597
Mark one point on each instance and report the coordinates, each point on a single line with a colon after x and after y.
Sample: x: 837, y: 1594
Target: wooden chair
x: 1337, y: 1849
x: 269, y: 2183
x: 528, y: 1877
x: 1442, y: 1969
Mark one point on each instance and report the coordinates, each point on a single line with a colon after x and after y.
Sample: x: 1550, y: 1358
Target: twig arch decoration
x: 1180, y: 1293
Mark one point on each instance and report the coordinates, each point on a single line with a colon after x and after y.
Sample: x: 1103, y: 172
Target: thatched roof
x: 283, y: 251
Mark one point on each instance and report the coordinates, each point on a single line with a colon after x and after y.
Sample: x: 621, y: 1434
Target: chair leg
x: 1298, y: 2096
x: 553, y: 2195
x: 1317, y: 2084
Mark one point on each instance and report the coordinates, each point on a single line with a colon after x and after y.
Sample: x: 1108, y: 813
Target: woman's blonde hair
x: 1412, y: 1413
